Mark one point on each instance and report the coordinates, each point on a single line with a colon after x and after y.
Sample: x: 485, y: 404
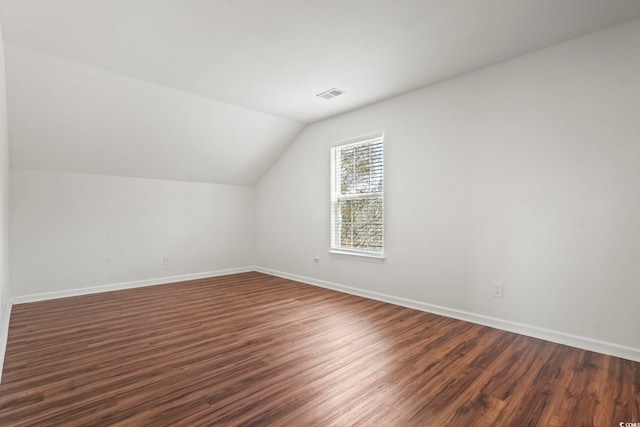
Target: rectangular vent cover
x: 331, y: 93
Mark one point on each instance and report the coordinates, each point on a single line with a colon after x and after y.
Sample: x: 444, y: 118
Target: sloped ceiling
x: 66, y: 116
x: 214, y: 90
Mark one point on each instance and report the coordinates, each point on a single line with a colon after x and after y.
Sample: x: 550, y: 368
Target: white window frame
x: 336, y: 197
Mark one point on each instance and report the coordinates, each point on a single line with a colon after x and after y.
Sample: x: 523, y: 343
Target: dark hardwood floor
x: 252, y: 349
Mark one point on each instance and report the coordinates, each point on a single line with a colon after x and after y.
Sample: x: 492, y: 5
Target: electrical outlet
x: 165, y: 260
x: 497, y: 289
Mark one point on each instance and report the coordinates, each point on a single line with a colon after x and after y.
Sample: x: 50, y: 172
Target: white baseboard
x: 125, y: 285
x: 571, y: 340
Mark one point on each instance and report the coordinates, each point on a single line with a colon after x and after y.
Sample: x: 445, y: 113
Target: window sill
x: 357, y: 255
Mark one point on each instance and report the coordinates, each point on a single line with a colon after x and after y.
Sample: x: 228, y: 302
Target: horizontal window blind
x: 357, y: 196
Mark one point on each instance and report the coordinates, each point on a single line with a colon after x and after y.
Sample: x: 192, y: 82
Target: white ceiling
x: 274, y: 56
x: 69, y: 117
x: 215, y: 90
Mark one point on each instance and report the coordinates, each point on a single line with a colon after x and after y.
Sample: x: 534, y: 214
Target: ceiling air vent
x: 331, y: 93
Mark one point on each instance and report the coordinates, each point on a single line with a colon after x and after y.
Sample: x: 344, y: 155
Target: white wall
x: 71, y: 231
x: 526, y: 172
x: 4, y: 209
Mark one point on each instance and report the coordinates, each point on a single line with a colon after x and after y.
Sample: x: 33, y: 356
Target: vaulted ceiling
x: 214, y: 90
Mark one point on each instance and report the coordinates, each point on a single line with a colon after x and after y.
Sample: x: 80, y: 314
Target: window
x: 357, y: 197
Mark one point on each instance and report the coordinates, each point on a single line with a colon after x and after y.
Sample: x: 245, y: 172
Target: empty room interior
x: 320, y: 213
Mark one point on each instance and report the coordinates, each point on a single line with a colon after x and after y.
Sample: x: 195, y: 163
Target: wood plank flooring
x: 256, y: 350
